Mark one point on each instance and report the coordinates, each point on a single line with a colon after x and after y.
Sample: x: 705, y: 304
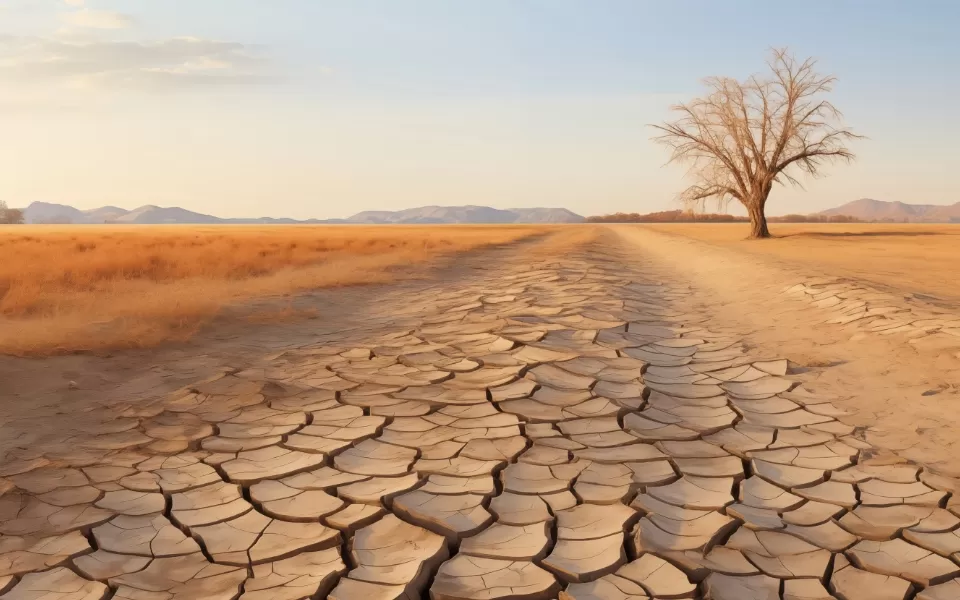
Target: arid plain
x: 914, y: 258
x: 108, y: 287
x: 577, y: 412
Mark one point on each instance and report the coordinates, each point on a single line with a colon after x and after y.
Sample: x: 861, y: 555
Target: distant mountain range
x: 867, y: 209
x: 467, y: 214
x: 44, y: 212
x: 864, y: 209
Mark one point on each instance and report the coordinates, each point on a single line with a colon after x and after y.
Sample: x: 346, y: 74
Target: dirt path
x: 916, y: 259
x: 580, y: 419
x: 902, y: 384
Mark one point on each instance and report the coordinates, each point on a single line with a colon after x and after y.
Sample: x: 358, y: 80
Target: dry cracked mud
x: 549, y: 428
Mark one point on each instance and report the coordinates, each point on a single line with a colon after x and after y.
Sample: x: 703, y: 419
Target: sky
x: 323, y: 108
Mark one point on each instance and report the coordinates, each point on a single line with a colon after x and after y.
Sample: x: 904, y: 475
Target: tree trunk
x: 758, y: 221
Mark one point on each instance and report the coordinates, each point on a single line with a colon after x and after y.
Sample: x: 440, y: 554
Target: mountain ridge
x: 868, y: 209
x: 46, y: 212
x: 864, y: 209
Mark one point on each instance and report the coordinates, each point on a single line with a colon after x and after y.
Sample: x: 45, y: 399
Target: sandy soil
x: 913, y: 258
x: 902, y: 397
x: 45, y: 396
x: 619, y: 376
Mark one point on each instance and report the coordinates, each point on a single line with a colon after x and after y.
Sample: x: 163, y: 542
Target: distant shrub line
x: 682, y: 216
x: 10, y: 216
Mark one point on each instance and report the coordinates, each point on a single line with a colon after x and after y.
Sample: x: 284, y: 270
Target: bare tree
x: 743, y: 137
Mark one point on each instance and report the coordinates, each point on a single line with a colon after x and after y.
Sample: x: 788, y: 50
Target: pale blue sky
x: 316, y: 108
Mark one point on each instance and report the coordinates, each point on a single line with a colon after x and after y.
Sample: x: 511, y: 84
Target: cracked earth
x: 578, y: 426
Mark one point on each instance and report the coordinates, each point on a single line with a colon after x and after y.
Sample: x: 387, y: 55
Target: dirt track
x: 630, y: 418
x: 913, y: 258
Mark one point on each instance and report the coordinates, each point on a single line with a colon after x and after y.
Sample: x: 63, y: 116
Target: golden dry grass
x: 915, y: 258
x: 65, y: 289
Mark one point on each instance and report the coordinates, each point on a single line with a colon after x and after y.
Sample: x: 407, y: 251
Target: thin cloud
x: 177, y: 62
x: 97, y: 19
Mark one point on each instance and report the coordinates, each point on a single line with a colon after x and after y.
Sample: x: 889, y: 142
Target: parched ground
x: 876, y: 324
x: 610, y: 413
x: 915, y: 259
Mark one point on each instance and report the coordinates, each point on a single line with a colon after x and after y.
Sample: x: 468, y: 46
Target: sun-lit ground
x: 916, y: 258
x: 66, y: 288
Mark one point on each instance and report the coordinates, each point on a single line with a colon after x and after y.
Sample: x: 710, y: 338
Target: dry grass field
x: 916, y: 258
x: 65, y: 289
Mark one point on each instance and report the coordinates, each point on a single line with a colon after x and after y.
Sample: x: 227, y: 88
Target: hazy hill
x: 546, y: 215
x: 437, y: 214
x: 105, y: 213
x: 44, y: 212
x: 156, y: 215
x: 468, y: 214
x: 867, y: 209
